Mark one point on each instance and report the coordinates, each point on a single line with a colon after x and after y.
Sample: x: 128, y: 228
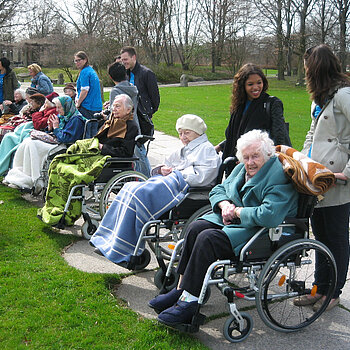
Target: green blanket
x: 81, y: 164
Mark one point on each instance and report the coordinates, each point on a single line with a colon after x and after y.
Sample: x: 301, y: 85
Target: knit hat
x: 38, y: 98
x: 31, y: 91
x: 70, y: 86
x: 51, y: 96
x: 191, y: 122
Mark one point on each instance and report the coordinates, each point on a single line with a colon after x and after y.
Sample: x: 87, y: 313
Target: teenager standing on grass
x: 252, y: 108
x: 89, y: 99
x: 328, y: 142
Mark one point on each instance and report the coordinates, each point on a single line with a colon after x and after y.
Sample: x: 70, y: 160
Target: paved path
x: 331, y: 331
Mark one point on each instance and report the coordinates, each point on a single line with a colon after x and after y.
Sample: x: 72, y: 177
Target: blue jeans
x: 142, y: 165
x: 92, y: 127
x: 330, y: 225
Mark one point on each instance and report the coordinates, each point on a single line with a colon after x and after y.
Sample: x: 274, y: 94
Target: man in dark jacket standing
x: 146, y: 82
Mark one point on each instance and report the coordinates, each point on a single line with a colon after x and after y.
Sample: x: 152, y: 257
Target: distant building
x: 29, y: 51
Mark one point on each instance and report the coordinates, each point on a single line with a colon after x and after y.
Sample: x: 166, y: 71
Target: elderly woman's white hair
x: 21, y: 92
x: 126, y: 100
x: 267, y: 147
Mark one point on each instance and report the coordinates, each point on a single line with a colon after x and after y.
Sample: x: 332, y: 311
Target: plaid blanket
x: 136, y: 204
x: 307, y: 175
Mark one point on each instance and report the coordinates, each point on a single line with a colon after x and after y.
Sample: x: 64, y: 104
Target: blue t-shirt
x: 1, y: 86
x: 89, y: 78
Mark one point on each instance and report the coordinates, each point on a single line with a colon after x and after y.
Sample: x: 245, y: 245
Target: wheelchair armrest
x: 143, y: 138
x: 199, y: 189
x: 300, y: 223
x: 121, y: 160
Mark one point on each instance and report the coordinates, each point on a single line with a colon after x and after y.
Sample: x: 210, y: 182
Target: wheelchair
x: 97, y: 196
x: 170, y: 228
x: 273, y: 268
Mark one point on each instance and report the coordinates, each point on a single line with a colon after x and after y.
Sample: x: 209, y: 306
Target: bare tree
x: 273, y: 11
x: 8, y: 10
x: 303, y: 8
x: 343, y: 7
x: 86, y: 16
x: 184, y: 28
x: 217, y: 16
x: 323, y: 20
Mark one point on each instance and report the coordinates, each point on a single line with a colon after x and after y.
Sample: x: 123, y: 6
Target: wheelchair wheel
x: 145, y: 259
x: 287, y: 274
x: 114, y: 185
x: 87, y: 231
x: 166, y: 252
x: 197, y: 214
x: 232, y: 332
x: 171, y: 280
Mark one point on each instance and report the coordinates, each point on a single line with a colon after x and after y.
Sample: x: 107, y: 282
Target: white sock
x: 187, y: 297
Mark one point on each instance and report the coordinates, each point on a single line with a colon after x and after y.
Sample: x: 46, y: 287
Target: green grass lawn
x: 46, y: 304
x: 212, y: 103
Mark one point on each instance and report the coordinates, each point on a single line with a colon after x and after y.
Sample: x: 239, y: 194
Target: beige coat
x: 329, y: 136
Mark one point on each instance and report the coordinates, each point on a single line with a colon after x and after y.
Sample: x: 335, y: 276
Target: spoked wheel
x: 289, y: 274
x: 165, y: 251
x: 171, y: 281
x: 232, y: 331
x: 88, y: 230
x: 114, y: 185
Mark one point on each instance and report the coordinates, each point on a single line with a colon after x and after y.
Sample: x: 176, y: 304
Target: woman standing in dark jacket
x: 252, y: 108
x: 8, y: 81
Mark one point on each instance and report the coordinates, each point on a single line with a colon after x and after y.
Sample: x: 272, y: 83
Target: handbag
x: 43, y: 136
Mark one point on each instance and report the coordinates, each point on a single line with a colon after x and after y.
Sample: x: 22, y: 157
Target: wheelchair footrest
x: 197, y: 320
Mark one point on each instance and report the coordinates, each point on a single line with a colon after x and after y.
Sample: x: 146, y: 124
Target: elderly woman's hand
x: 166, y: 170
x: 53, y: 122
x: 227, y: 212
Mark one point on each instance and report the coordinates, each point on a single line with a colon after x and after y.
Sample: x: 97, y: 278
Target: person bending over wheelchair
x: 196, y: 164
x: 84, y: 160
x: 256, y: 194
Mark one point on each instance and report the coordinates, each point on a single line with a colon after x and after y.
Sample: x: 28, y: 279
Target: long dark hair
x: 323, y: 73
x: 83, y: 56
x: 5, y: 62
x: 239, y: 95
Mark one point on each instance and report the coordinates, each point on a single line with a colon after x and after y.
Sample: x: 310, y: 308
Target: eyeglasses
x: 78, y: 60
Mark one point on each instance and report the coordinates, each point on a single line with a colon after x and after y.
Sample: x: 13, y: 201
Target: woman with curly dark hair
x: 252, y: 108
x: 328, y: 142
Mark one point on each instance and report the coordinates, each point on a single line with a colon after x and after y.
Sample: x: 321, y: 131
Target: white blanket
x: 28, y: 162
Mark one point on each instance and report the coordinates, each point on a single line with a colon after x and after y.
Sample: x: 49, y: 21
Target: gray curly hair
x: 267, y: 147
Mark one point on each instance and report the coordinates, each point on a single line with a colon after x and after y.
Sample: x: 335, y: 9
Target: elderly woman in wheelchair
x: 196, y: 164
x: 256, y: 194
x: 84, y: 160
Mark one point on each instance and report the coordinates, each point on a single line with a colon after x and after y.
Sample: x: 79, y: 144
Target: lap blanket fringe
x: 81, y: 164
x: 136, y: 204
x: 307, y: 175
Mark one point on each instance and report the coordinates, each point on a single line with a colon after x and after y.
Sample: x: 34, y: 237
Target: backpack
x: 145, y: 120
x: 287, y: 140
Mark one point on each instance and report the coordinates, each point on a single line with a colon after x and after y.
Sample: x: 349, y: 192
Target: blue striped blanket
x: 136, y: 204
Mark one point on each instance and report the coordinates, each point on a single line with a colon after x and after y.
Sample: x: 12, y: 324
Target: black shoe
x: 164, y: 301
x: 179, y: 314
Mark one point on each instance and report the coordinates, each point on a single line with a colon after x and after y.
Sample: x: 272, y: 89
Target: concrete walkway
x: 331, y: 331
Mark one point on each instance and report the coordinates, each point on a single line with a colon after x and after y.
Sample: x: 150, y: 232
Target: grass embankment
x: 46, y: 304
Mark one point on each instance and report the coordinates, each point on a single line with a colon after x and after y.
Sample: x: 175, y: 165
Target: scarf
x: 69, y: 110
x: 115, y: 127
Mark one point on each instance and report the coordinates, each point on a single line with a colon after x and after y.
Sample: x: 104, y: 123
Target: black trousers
x: 330, y: 226
x: 204, y: 243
